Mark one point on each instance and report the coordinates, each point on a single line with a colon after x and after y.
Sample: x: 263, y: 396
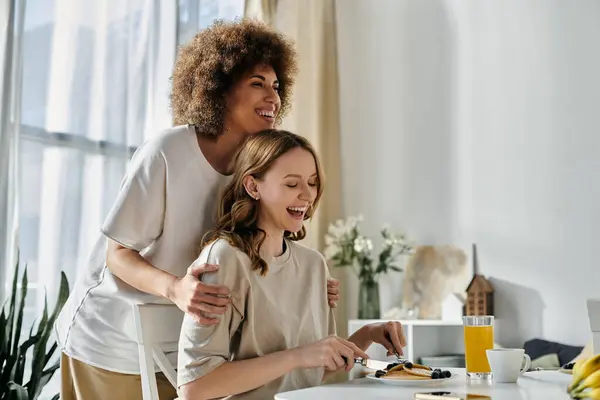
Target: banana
x: 577, y: 366
x: 589, y: 394
x: 587, y: 368
x: 590, y: 382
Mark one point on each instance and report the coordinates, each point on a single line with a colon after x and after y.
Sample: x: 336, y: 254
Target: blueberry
x: 435, y: 375
x: 379, y: 373
x: 408, y: 365
x: 438, y: 370
x: 390, y: 366
x: 447, y: 374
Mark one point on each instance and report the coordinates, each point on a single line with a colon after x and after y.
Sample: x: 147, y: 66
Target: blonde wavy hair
x: 238, y: 212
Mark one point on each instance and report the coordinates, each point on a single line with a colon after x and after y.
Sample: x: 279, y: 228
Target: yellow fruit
x: 589, y: 394
x: 587, y: 368
x: 591, y: 381
x: 577, y: 366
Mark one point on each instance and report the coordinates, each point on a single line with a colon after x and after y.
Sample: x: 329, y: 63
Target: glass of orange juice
x: 479, y: 337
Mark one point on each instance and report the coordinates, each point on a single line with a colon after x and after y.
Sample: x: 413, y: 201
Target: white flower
x: 331, y: 251
x: 397, y: 243
x: 329, y: 240
x: 339, y: 229
x: 363, y: 245
x: 353, y: 222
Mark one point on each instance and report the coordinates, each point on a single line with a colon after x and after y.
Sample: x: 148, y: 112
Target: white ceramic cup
x: 506, y: 364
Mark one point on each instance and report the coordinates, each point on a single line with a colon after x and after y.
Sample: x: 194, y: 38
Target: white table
x: 540, y: 385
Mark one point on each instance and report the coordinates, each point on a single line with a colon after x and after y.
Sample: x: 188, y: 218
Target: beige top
x: 282, y: 310
x: 167, y: 201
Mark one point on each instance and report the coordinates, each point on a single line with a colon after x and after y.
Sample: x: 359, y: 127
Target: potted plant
x: 33, y: 350
x: 345, y: 246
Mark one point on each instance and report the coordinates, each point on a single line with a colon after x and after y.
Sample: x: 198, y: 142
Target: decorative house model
x: 480, y: 297
x: 480, y: 293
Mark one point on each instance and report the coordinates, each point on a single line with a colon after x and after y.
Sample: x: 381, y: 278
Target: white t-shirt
x: 168, y: 200
x: 286, y: 308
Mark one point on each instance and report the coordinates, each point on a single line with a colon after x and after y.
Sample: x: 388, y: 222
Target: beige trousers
x: 81, y: 381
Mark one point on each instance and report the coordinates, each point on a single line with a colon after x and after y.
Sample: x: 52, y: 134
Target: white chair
x: 157, y: 327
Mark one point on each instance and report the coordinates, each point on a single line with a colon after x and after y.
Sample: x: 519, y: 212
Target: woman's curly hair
x: 212, y: 62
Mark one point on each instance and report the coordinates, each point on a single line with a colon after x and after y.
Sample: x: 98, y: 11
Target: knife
x: 375, y: 364
x: 372, y: 364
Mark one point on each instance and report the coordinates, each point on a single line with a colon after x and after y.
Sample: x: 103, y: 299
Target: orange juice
x: 478, y: 339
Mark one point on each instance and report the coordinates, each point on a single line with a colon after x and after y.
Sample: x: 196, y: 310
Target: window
x: 95, y: 86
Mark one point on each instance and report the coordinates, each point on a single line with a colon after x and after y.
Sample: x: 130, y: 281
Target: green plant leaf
x: 11, y: 308
x: 19, y: 369
x: 14, y: 355
x: 3, y: 338
x: 19, y: 324
x: 46, y: 376
x: 30, y: 341
x: 385, y: 254
x: 14, y: 369
x: 36, y: 382
x: 44, y: 319
x: 16, y: 392
x: 50, y: 353
x: 7, y: 368
x: 9, y: 361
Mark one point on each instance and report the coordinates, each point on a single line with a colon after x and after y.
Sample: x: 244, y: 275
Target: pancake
x: 405, y: 376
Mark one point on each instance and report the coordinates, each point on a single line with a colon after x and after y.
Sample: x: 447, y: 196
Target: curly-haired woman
x: 232, y: 80
x: 279, y: 334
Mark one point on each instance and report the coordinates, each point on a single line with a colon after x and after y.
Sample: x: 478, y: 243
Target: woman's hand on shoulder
x: 200, y: 300
x: 332, y: 352
x: 333, y: 292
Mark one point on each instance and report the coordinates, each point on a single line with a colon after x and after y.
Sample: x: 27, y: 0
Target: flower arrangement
x: 345, y: 246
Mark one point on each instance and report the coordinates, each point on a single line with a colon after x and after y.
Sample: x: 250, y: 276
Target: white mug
x: 506, y: 364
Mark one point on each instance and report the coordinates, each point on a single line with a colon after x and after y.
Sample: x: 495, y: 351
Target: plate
x: 411, y: 382
x: 566, y: 371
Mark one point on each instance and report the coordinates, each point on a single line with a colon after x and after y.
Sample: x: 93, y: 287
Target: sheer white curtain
x: 96, y: 80
x: 11, y: 27
x: 95, y: 86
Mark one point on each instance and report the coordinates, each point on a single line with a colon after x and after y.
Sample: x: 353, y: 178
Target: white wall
x: 468, y: 121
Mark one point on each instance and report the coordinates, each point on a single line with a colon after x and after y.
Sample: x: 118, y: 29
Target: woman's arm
x: 128, y: 265
x: 135, y: 221
x: 240, y: 376
x: 389, y: 334
x: 188, y: 293
x: 361, y: 340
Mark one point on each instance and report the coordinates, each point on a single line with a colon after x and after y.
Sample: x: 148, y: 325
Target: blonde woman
x: 278, y: 334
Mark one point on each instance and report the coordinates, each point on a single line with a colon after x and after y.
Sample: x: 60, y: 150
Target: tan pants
x: 81, y: 381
